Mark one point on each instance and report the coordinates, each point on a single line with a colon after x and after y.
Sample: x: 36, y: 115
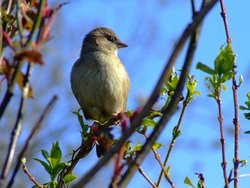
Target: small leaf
x: 45, y: 153
x: 204, y: 68
x: 157, y: 145
x: 197, y: 93
x: 55, y: 155
x: 243, y: 108
x: 188, y: 182
x: 20, y: 80
x: 224, y: 61
x: 69, y: 178
x: 137, y: 147
x: 45, y: 165
x: 243, y: 163
x: 241, y: 80
x: 80, y: 117
x: 176, y: 133
x: 23, y: 160
x: 56, y: 151
x: 30, y: 55
x: 247, y: 132
x: 149, y: 122
x: 154, y: 114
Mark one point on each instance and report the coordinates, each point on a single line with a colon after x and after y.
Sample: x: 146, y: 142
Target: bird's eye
x: 111, y: 38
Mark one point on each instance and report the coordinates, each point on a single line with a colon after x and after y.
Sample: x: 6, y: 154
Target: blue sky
x: 150, y: 29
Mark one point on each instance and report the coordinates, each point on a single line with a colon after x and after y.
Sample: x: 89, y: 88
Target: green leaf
x: 69, y: 178
x: 168, y: 171
x: 204, y: 68
x: 56, y: 151
x: 247, y: 115
x: 149, y: 122
x: 137, y: 147
x: 248, y: 95
x: 197, y: 93
x: 224, y: 61
x: 176, y: 133
x: 157, y: 145
x: 45, y: 165
x: 154, y: 114
x: 79, y: 117
x: 247, y: 132
x: 55, y: 171
x: 243, y: 108
x: 200, y: 184
x: 45, y: 154
x: 241, y: 80
x: 55, y: 155
x: 188, y: 182
x: 243, y: 162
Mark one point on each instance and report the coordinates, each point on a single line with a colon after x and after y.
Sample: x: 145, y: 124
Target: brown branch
x: 80, y: 153
x: 222, y: 140
x: 224, y: 17
x: 35, y: 129
x: 141, y: 171
x: 168, y: 112
x: 163, y: 168
x: 31, y: 177
x: 236, y: 102
x: 17, y: 127
x: 154, y: 96
x: 172, y: 143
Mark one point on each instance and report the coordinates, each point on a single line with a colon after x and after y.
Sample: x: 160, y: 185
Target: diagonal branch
x: 167, y: 114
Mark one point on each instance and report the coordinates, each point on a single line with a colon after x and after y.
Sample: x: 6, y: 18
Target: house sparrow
x: 98, y: 78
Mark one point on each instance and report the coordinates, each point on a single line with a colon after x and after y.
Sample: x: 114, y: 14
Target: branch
x: 189, y: 57
x: 18, y: 126
x: 154, y: 96
x: 168, y: 112
x: 31, y: 177
x: 172, y: 144
x: 35, y: 129
x: 222, y: 139
x: 146, y: 177
x: 236, y: 102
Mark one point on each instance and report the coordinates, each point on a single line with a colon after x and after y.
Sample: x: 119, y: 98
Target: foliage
x: 53, y: 165
x: 222, y: 71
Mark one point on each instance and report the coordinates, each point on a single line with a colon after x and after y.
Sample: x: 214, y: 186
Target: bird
x: 99, y: 80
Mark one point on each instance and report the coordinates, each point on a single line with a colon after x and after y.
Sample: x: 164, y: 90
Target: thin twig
x: 35, y: 129
x: 154, y: 96
x: 31, y: 177
x: 80, y: 153
x: 236, y: 103
x: 172, y: 143
x: 224, y: 16
x: 141, y: 171
x: 18, y: 125
x: 163, y: 167
x: 222, y: 140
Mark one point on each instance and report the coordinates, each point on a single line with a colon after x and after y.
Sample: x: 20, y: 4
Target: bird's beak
x: 121, y: 44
